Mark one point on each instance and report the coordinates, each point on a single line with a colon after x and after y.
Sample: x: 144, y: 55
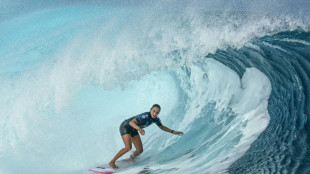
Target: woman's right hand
x: 141, y: 131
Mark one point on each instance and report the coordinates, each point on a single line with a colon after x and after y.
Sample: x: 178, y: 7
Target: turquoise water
x: 236, y: 83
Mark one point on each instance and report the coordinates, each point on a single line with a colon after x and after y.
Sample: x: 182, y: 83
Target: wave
x: 234, y: 82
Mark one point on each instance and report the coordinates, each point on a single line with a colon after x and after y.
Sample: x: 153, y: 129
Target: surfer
x: 129, y: 131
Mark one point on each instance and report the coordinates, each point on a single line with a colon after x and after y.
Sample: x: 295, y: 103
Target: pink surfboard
x: 100, y: 171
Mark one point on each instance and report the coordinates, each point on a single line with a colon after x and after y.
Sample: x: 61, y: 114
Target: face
x: 154, y: 112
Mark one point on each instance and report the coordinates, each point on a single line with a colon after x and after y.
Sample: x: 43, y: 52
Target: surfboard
x: 106, y: 169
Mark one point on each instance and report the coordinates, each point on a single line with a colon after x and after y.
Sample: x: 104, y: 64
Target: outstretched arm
x: 164, y: 128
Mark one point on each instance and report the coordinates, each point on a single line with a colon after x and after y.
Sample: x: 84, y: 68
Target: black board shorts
x: 125, y: 128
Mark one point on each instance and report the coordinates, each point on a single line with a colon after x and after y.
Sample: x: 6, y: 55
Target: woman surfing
x: 129, y: 131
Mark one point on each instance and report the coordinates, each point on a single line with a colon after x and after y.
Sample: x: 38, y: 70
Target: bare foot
x: 111, y: 164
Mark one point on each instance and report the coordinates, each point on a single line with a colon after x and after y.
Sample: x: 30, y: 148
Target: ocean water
x: 236, y: 82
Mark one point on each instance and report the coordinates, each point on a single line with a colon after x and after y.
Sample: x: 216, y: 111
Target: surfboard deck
x: 106, y: 169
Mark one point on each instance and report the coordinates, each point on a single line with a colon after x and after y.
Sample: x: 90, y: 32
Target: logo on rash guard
x: 145, y: 116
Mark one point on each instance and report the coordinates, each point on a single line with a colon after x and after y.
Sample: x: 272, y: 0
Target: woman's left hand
x: 177, y: 133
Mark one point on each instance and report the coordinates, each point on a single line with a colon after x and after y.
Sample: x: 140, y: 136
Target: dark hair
x: 155, y: 105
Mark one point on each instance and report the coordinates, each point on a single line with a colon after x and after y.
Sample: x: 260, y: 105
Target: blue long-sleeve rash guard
x: 144, y: 120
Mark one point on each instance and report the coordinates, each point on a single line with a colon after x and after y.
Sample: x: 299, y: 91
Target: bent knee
x: 127, y: 149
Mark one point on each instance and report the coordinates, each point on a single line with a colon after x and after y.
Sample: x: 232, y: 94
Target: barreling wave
x: 236, y: 83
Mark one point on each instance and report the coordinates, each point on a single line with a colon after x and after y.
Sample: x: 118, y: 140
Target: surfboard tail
x: 102, y: 172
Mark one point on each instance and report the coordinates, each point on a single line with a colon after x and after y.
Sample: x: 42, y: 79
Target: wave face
x: 236, y: 83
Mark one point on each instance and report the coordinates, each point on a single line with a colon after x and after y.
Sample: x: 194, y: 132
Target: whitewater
x: 235, y: 82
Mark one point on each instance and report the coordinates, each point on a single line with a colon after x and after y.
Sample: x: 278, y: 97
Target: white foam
x: 296, y: 40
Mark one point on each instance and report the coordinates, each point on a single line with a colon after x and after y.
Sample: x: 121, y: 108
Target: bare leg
x: 127, y: 148
x: 136, y: 140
